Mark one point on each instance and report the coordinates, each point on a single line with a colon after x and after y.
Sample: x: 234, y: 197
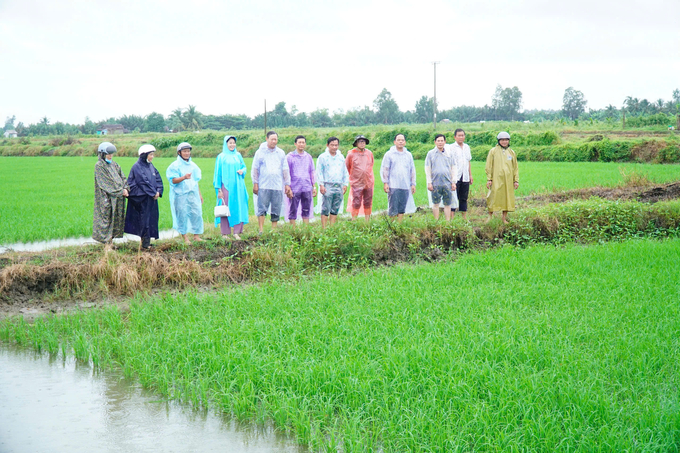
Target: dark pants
x: 396, y: 200
x: 462, y: 191
x: 304, y: 200
x: 141, y: 218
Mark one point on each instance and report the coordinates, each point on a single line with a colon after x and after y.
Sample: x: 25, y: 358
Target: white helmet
x: 146, y: 149
x: 106, y: 148
x: 183, y: 145
x: 502, y: 135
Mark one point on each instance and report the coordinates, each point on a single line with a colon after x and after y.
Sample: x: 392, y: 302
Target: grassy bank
x: 541, y: 349
x: 91, y: 273
x: 48, y: 198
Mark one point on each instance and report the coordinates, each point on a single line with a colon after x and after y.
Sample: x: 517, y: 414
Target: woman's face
x: 231, y: 144
x: 149, y: 157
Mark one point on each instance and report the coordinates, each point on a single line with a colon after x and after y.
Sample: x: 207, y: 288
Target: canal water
x: 40, y: 246
x: 56, y: 405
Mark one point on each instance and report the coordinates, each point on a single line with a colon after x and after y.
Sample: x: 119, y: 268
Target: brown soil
x: 645, y: 194
x: 647, y: 151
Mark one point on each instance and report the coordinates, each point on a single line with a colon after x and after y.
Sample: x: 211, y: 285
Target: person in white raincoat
x: 185, y: 197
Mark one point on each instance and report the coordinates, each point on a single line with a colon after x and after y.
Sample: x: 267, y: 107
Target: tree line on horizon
x: 506, y: 105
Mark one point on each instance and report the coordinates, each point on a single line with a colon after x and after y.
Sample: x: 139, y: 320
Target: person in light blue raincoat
x: 230, y: 187
x: 185, y: 197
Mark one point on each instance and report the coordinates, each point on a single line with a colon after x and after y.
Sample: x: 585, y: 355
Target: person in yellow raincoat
x: 502, y: 177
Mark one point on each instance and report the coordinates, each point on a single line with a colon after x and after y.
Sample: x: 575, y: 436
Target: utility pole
x: 265, y: 117
x: 434, y: 105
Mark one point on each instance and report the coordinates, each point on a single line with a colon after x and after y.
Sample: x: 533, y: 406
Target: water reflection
x: 48, y: 404
x: 56, y: 243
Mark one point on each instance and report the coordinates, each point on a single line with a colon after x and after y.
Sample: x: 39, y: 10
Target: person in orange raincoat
x: 359, y: 164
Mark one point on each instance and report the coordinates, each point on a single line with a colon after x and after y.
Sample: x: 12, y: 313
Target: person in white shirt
x: 462, y: 156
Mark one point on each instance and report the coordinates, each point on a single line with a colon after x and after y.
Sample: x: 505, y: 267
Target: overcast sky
x: 70, y: 59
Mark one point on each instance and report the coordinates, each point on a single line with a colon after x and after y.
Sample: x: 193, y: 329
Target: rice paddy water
x: 53, y: 404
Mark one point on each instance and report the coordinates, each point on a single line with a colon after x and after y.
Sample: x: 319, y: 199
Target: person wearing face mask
x: 502, y: 178
x: 185, y: 196
x: 146, y: 187
x: 110, y: 191
x: 229, y: 182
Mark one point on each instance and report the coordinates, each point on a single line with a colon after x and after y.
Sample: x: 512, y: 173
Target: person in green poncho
x: 110, y: 190
x: 502, y: 178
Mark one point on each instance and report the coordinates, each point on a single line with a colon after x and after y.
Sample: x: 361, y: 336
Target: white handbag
x: 222, y: 211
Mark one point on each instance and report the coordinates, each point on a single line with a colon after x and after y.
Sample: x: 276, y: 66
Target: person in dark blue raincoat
x: 146, y: 186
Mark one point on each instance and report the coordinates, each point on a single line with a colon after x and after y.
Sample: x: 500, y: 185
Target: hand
x: 322, y: 189
x: 344, y: 190
x: 430, y: 187
x: 156, y: 196
x: 516, y: 185
x: 289, y: 192
x: 187, y: 176
x: 125, y: 193
x: 201, y: 198
x: 255, y: 189
x: 413, y: 190
x: 220, y: 195
x: 241, y: 171
x: 488, y: 184
x: 314, y: 192
x: 453, y: 187
x: 386, y: 188
x: 471, y: 179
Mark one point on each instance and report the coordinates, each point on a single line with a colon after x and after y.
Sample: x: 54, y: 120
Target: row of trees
x: 506, y: 105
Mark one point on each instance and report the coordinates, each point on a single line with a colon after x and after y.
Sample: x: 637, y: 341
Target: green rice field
x: 48, y: 198
x: 572, y: 349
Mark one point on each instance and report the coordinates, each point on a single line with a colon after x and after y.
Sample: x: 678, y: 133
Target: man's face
x: 272, y: 140
x: 505, y: 142
x: 300, y: 144
x: 186, y: 153
x: 333, y: 147
x: 440, y: 142
x: 399, y: 142
x: 460, y: 138
x: 231, y: 144
x: 361, y: 144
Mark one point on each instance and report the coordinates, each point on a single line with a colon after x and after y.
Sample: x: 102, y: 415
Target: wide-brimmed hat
x: 360, y: 137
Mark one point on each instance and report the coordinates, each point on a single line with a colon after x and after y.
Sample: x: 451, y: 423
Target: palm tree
x: 176, y: 119
x: 631, y: 104
x: 192, y: 118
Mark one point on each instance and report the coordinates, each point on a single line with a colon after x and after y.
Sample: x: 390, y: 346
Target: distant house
x: 108, y: 129
x: 10, y: 134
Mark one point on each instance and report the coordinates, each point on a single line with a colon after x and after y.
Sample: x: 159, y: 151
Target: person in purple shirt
x: 301, y: 166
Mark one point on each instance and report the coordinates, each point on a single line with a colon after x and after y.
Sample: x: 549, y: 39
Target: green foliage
x: 660, y: 119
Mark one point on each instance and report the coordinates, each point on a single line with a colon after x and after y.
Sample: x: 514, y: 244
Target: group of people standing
x: 285, y: 185
x: 142, y: 188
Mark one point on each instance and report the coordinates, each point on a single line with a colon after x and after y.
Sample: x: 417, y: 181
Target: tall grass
x: 53, y: 198
x: 537, y: 349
